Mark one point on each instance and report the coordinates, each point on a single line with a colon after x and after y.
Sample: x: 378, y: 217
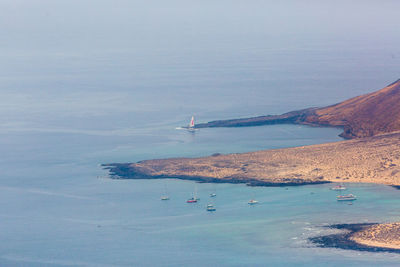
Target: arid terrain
x: 370, y: 160
x: 380, y: 235
x: 373, y: 156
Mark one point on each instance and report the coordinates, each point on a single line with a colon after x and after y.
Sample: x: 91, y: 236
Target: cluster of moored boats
x: 347, y: 197
x: 211, y: 207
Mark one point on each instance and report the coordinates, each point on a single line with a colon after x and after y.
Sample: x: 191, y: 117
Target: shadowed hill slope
x: 365, y: 115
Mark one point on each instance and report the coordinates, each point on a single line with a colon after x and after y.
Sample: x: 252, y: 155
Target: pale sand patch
x: 380, y: 235
x: 369, y: 160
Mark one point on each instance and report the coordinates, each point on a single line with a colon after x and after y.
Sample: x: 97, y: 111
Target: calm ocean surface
x: 99, y: 82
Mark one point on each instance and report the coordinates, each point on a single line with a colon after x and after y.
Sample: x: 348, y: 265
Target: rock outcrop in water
x: 369, y: 237
x: 361, y: 116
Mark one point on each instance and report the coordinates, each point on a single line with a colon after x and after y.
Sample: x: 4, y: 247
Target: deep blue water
x: 85, y: 83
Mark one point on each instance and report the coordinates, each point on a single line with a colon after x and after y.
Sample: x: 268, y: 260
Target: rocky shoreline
x: 368, y: 160
x: 293, y: 117
x: 345, y: 240
x: 125, y: 171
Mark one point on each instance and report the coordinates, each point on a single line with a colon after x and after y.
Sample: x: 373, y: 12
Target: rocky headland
x: 361, y: 116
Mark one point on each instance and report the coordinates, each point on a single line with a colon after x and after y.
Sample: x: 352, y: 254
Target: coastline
x: 368, y: 160
x: 123, y: 171
x: 361, y: 116
x: 302, y: 117
x: 371, y: 121
x: 346, y: 239
x: 380, y: 235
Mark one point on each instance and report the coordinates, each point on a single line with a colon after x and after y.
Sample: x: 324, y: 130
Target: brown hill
x: 361, y: 116
x: 365, y: 115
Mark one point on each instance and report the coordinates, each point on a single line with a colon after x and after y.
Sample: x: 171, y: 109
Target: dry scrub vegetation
x: 371, y: 160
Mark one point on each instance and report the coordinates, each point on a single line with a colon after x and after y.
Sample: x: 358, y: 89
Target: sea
x: 84, y: 83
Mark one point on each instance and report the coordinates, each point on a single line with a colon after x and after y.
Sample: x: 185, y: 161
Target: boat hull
x: 347, y: 199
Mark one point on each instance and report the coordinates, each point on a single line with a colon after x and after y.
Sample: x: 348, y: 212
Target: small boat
x: 213, y: 195
x: 193, y: 199
x: 191, y: 125
x: 338, y: 187
x: 211, y: 207
x: 349, y: 197
x: 252, y: 202
x: 165, y: 195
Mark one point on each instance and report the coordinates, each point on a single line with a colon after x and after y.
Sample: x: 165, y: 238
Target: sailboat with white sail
x: 193, y: 199
x: 165, y: 195
x: 191, y: 125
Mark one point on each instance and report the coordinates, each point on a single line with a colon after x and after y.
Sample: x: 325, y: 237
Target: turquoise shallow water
x: 90, y: 82
x: 65, y: 211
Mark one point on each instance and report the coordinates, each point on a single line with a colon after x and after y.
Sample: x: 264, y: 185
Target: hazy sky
x: 93, y: 25
x: 97, y: 57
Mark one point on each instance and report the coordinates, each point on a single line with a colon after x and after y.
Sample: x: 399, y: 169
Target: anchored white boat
x: 349, y: 197
x: 165, y: 195
x: 338, y: 187
x: 210, y: 207
x: 253, y: 202
x: 193, y: 199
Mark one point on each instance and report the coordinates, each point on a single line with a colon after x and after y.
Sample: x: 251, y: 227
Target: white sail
x: 191, y: 125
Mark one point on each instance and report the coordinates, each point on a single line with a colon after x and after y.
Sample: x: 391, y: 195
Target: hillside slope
x: 365, y: 115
